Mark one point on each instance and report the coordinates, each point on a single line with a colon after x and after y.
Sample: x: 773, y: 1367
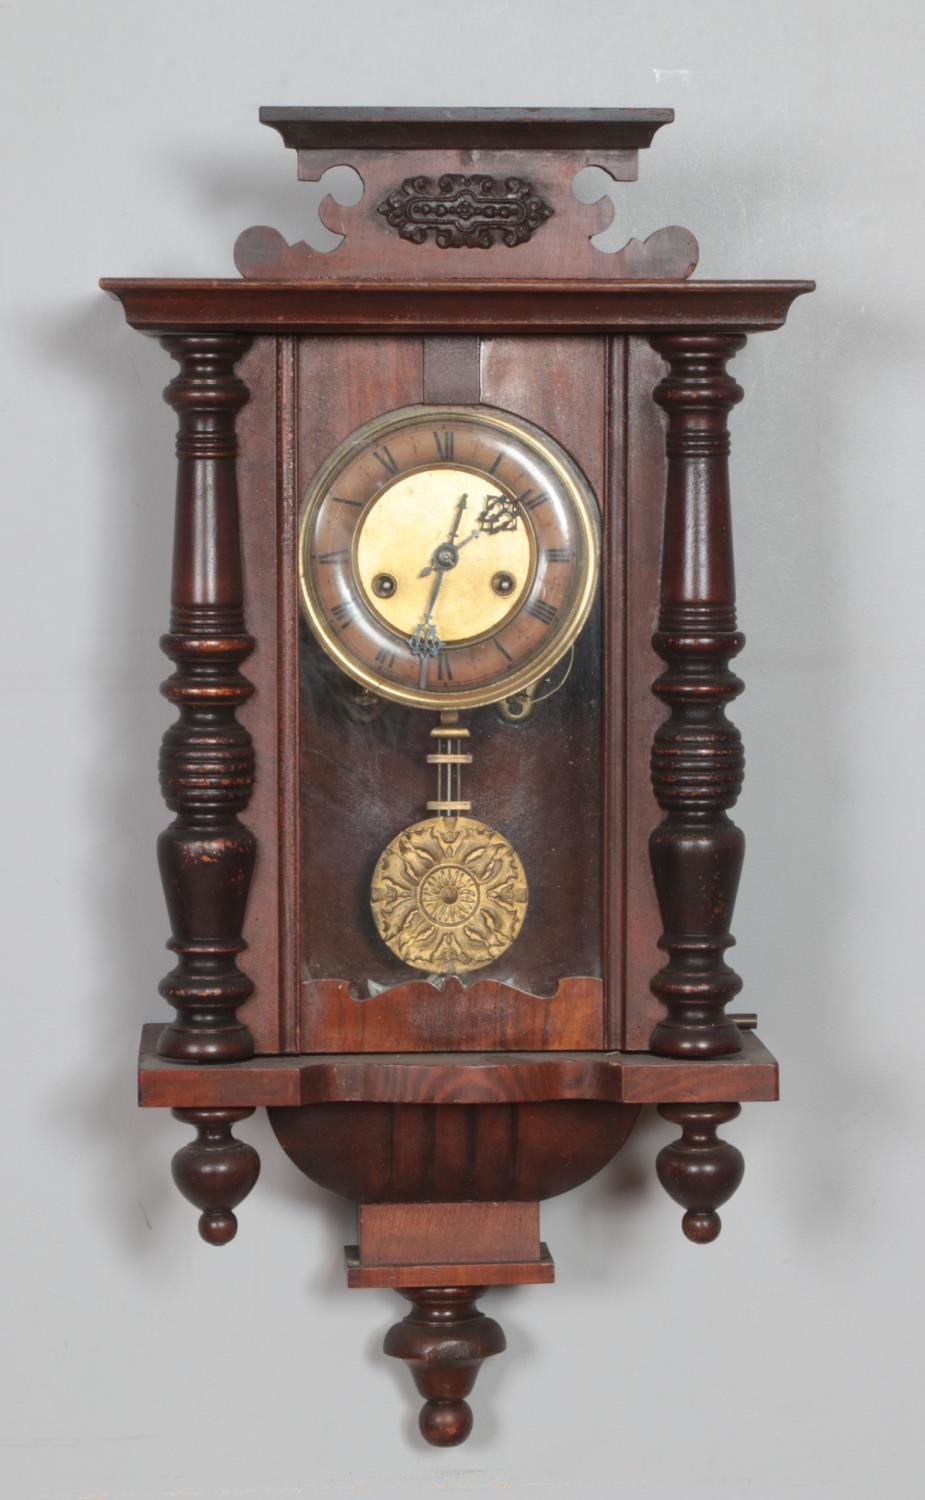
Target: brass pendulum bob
x: 449, y: 894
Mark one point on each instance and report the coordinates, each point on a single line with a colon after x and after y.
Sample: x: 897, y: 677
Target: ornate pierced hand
x: 499, y: 513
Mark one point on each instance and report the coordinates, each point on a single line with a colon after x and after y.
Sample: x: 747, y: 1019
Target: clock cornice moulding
x: 169, y: 305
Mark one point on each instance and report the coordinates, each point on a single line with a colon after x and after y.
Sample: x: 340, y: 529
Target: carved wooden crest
x: 450, y: 181
x: 461, y: 212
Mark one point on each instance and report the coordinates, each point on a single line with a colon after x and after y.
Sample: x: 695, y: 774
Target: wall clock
x: 451, y: 873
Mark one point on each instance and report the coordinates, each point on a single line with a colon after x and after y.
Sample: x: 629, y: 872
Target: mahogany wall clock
x: 451, y: 872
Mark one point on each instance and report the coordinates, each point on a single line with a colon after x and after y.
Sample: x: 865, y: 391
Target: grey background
x: 786, y: 1359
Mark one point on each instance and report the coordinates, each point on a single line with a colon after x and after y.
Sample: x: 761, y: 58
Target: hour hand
x: 425, y: 641
x: 498, y: 514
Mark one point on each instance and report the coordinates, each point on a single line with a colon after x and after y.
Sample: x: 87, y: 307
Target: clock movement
x: 451, y: 873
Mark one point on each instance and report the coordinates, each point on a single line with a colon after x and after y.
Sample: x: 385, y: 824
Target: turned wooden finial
x: 443, y: 1340
x: 700, y: 1171
x: 216, y: 1171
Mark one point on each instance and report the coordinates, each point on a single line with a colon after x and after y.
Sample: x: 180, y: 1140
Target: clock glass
x: 450, y: 707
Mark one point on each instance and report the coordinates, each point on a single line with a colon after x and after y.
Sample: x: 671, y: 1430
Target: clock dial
x: 423, y: 533
x: 448, y: 555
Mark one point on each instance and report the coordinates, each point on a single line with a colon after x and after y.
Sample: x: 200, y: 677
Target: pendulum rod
x: 449, y: 758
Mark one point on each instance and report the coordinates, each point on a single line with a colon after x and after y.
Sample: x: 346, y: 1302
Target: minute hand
x: 458, y: 517
x: 424, y: 641
x: 450, y: 562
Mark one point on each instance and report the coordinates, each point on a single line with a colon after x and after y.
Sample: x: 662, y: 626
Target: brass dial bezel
x: 572, y: 485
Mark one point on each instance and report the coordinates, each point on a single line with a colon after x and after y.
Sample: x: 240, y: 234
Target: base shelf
x: 455, y: 1078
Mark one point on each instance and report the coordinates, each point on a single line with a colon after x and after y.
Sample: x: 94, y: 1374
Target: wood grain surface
x: 483, y: 1016
x: 397, y: 1234
x: 633, y: 1078
x: 558, y: 306
x: 539, y: 1272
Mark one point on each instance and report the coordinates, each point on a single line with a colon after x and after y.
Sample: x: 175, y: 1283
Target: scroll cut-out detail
x: 338, y: 186
x: 521, y: 210
x: 671, y: 252
x: 594, y: 184
x: 470, y: 213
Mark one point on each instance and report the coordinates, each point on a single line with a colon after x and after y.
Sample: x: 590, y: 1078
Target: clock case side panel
x: 262, y: 506
x: 362, y: 784
x: 637, y: 931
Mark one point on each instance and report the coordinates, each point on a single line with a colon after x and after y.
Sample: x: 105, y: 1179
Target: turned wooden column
x: 206, y: 856
x: 697, y: 758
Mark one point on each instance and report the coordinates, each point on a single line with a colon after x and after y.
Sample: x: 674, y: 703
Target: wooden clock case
x: 467, y: 274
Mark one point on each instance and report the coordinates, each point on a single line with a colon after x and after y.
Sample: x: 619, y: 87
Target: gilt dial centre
x: 423, y: 530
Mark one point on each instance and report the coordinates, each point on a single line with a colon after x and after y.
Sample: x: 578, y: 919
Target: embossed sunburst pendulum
x: 449, y: 894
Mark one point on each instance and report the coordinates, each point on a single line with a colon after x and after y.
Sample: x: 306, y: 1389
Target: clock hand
x: 444, y: 556
x: 425, y: 641
x: 498, y: 514
x: 459, y: 510
x: 435, y: 589
x: 426, y: 572
x: 432, y: 567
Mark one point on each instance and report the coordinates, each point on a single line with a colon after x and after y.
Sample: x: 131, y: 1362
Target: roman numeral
x: 444, y: 670
x: 339, y: 500
x: 540, y: 610
x: 505, y: 653
x: 558, y: 554
x: 386, y: 459
x: 531, y: 504
x: 344, y: 613
x: 445, y: 444
x: 332, y: 557
x: 385, y: 657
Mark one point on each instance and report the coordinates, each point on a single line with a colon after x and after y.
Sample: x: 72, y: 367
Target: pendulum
x: 449, y: 894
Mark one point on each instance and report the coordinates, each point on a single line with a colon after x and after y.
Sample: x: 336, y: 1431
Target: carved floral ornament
x: 466, y: 212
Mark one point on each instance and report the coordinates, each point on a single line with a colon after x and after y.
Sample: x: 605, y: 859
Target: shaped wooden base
x: 457, y: 1125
